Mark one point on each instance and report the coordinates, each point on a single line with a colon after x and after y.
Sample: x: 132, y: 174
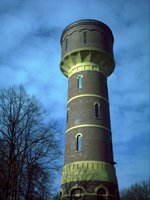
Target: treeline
x: 137, y: 191
x: 29, y: 147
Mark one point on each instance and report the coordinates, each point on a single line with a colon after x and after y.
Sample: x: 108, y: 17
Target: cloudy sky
x: 30, y: 55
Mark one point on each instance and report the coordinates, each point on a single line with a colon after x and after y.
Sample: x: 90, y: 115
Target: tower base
x: 89, y: 190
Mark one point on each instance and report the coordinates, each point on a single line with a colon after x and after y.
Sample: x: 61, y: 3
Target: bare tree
x: 137, y: 191
x: 29, y: 147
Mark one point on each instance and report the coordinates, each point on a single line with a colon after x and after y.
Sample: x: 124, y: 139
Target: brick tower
x: 87, y: 60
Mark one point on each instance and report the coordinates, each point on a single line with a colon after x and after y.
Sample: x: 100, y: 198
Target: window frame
x: 79, y: 142
x: 103, y: 194
x: 80, y: 82
x: 97, y: 110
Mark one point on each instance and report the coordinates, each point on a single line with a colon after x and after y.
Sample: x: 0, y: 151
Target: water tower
x: 87, y: 60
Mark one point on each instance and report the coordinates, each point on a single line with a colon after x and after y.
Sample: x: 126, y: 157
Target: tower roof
x: 87, y: 22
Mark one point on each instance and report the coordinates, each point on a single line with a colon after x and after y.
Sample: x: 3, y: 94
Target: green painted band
x: 89, y: 171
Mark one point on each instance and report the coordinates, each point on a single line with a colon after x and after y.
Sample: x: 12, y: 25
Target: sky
x: 30, y: 54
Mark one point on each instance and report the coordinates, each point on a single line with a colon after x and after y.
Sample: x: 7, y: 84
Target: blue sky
x: 30, y: 55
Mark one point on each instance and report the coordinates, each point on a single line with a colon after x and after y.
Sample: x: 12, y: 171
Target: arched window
x: 84, y: 37
x: 97, y: 110
x: 67, y: 114
x: 101, y: 194
x: 79, y: 141
x: 77, y: 194
x: 80, y: 82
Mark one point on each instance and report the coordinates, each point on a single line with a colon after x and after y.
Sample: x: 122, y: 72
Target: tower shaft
x: 87, y: 61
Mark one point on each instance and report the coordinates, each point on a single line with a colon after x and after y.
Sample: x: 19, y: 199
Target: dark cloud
x: 48, y: 32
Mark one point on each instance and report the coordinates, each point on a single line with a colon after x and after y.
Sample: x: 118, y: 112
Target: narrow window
x: 79, y: 142
x: 84, y: 37
x: 66, y: 44
x: 97, y: 110
x: 67, y: 114
x: 80, y: 82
